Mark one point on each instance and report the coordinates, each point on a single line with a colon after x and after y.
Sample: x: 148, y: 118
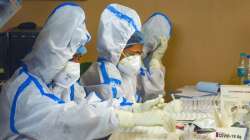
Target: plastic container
x: 247, y: 76
x: 242, y: 68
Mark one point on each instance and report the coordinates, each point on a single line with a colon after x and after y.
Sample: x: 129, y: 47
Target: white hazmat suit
x: 33, y: 110
x: 117, y: 24
x: 30, y: 110
x: 156, y: 31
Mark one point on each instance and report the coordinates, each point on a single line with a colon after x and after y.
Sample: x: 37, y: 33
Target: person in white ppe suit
x: 118, y: 24
x: 156, y: 32
x: 147, y: 82
x: 31, y: 110
x: 151, y: 80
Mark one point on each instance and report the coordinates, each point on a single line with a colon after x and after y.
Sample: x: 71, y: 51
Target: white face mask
x: 130, y: 65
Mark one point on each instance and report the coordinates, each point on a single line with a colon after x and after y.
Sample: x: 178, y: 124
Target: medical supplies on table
x: 201, y: 117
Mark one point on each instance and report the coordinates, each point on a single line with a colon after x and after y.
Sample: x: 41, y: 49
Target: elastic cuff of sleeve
x: 125, y: 119
x: 137, y: 108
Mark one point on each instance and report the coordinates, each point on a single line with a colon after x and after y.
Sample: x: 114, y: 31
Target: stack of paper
x: 191, y: 92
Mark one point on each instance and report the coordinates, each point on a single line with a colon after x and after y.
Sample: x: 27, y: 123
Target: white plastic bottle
x: 241, y: 69
x: 247, y: 76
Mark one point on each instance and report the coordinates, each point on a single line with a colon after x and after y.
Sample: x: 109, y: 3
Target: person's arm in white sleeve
x: 152, y: 77
x: 152, y: 82
x: 40, y: 117
x: 157, y: 31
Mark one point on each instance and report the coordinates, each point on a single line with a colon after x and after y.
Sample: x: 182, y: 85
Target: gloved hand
x: 177, y: 135
x: 158, y: 54
x: 148, y: 105
x: 170, y: 127
x: 150, y: 118
x: 175, y: 106
x: 222, y: 120
x: 247, y: 115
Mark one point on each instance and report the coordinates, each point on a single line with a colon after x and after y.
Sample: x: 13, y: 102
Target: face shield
x: 83, y: 37
x: 134, y: 45
x: 136, y: 38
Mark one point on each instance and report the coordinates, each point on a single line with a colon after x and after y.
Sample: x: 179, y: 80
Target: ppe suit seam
x: 72, y: 93
x: 19, y: 91
x: 63, y: 5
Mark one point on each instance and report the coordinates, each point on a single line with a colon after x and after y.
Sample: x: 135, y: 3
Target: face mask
x: 81, y: 38
x: 130, y: 65
x: 81, y: 50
